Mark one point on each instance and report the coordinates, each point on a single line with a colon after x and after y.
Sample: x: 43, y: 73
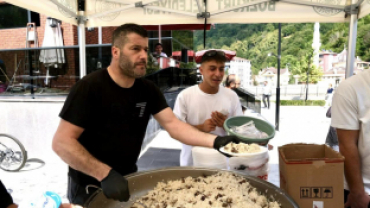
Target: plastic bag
x: 208, y: 157
x: 253, y: 166
x: 249, y: 130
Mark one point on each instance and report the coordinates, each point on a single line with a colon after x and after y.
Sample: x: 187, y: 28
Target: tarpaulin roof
x: 177, y: 27
x: 154, y: 12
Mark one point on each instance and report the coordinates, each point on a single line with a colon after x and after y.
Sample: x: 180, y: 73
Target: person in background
x: 331, y: 137
x: 158, y: 51
x: 351, y: 118
x: 232, y: 81
x: 266, y: 94
x: 206, y: 106
x: 2, y: 72
x: 329, y: 96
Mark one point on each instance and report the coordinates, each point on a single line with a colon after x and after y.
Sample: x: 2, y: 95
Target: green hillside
x: 255, y: 41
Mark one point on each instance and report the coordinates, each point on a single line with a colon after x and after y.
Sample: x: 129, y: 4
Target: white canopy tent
x: 93, y: 13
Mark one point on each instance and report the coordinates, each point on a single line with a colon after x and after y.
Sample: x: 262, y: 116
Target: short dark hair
x: 119, y: 37
x: 214, y: 55
x: 157, y: 44
x: 229, y: 79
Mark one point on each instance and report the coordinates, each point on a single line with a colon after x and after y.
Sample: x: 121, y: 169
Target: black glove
x: 221, y: 141
x: 115, y: 186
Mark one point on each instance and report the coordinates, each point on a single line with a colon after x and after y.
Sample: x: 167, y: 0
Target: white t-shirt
x: 267, y: 90
x: 351, y: 111
x: 163, y: 54
x: 193, y: 106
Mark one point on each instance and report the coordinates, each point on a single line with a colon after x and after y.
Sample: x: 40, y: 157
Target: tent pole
x: 351, y: 53
x: 82, y: 44
x: 159, y: 34
x: 277, y: 112
x: 100, y: 41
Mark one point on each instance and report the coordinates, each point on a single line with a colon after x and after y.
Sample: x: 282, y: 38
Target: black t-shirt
x: 5, y: 198
x: 114, y: 120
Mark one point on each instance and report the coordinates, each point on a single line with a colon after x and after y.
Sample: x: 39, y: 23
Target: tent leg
x: 159, y: 34
x: 277, y: 112
x: 82, y: 46
x: 351, y: 54
x: 100, y: 41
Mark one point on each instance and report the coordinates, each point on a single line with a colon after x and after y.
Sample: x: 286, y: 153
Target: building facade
x: 242, y: 68
x: 14, y: 37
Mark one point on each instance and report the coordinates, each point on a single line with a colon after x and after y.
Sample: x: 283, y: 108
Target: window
x: 12, y: 16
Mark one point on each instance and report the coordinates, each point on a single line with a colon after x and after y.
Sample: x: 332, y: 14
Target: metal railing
x: 249, y: 100
x: 18, y: 78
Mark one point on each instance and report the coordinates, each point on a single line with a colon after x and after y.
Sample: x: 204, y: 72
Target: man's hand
x: 360, y: 200
x: 218, y: 118
x: 115, y: 186
x: 208, y: 126
x: 221, y: 141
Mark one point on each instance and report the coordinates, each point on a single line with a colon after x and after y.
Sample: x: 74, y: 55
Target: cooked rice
x: 220, y: 190
x: 242, y: 148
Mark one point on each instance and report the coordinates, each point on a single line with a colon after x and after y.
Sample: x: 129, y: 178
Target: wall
x: 93, y: 36
x: 16, y: 38
x: 242, y: 68
x: 34, y: 123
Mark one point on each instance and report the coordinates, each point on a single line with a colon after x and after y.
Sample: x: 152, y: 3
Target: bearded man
x: 104, y: 120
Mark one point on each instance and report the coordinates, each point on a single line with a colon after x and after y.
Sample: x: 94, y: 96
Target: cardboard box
x: 312, y: 175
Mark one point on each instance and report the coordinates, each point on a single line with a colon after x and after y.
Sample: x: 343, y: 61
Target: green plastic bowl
x: 260, y: 125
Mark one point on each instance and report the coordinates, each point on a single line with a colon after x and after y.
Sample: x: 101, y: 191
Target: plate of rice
x: 243, y: 150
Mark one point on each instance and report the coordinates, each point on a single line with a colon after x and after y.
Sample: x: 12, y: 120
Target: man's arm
x: 67, y: 147
x: 183, y: 132
x: 348, y: 141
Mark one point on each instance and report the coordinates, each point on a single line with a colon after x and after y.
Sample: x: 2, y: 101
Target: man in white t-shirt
x: 266, y: 94
x: 206, y: 106
x: 351, y: 118
x: 158, y: 48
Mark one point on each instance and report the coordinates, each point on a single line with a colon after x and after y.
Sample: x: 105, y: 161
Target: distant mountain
x: 255, y: 41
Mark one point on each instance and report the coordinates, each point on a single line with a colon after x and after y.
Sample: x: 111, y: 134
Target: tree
x: 306, y: 67
x: 270, y: 27
x: 255, y: 41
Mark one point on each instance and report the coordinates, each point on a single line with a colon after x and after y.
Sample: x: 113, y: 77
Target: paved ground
x: 297, y: 125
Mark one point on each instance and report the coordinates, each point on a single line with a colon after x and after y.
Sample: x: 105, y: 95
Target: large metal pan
x: 142, y: 182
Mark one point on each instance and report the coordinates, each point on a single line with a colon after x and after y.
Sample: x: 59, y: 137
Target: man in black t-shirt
x: 104, y: 120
